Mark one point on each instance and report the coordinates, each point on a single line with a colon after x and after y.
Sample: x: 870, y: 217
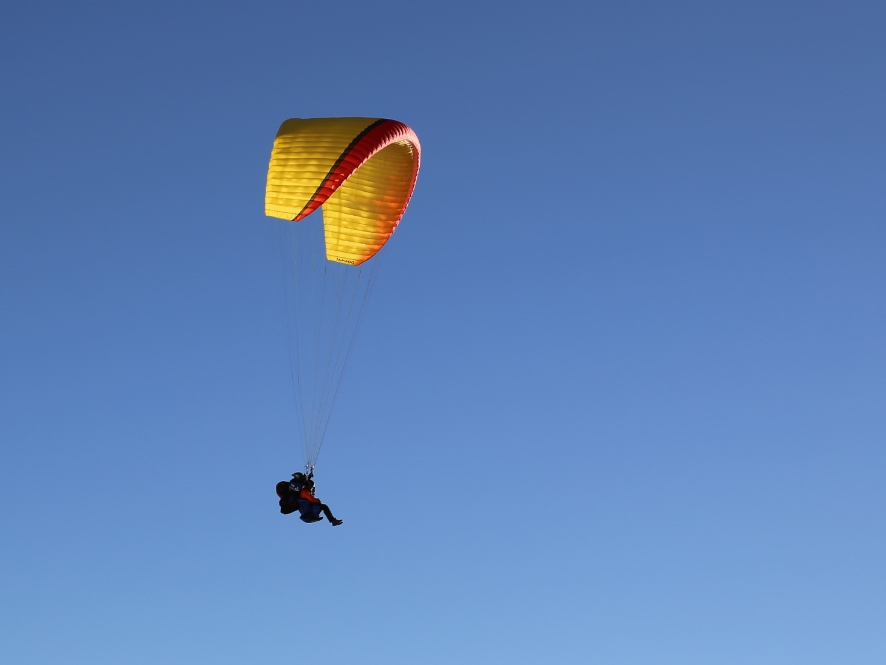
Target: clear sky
x: 620, y: 394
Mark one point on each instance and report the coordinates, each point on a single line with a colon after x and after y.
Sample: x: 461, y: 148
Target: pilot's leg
x: 329, y: 515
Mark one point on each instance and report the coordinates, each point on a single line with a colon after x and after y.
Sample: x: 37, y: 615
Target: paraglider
x: 360, y: 173
x: 298, y: 494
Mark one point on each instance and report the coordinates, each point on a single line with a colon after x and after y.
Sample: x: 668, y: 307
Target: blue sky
x: 619, y: 393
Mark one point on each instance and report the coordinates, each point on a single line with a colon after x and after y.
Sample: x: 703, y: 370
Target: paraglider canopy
x: 360, y: 170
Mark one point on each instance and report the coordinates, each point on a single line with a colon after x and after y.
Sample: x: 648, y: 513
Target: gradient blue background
x: 619, y: 395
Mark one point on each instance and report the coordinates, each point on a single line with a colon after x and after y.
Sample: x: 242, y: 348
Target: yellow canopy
x: 360, y: 170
